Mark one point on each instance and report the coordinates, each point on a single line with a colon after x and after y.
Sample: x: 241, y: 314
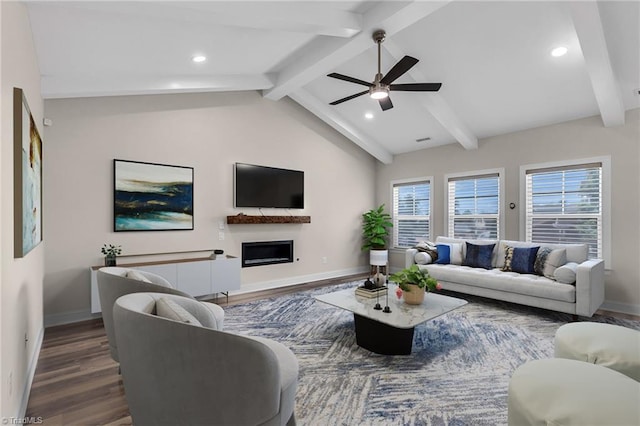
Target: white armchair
x: 114, y: 282
x: 175, y: 372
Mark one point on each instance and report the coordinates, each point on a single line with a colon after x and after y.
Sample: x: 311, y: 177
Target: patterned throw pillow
x: 479, y: 256
x: 520, y: 259
x: 541, y: 259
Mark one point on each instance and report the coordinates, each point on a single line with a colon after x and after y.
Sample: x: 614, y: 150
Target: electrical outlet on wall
x: 10, y: 383
x: 221, y: 236
x: 324, y: 259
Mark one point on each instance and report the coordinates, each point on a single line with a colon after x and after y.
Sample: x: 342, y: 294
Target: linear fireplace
x: 266, y: 253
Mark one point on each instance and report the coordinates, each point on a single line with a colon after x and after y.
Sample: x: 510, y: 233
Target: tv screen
x: 261, y: 186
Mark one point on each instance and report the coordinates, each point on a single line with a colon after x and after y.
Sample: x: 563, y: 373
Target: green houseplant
x: 375, y: 229
x: 413, y: 282
x: 110, y: 252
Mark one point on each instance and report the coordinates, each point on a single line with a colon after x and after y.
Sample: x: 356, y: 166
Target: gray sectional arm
x: 589, y: 286
x: 409, y: 257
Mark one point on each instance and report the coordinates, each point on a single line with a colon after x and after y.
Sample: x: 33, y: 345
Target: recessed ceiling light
x: 368, y: 115
x: 559, y: 51
x: 199, y: 58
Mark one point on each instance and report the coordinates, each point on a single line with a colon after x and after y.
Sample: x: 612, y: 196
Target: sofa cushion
x: 479, y: 256
x: 136, y: 275
x: 167, y: 308
x: 520, y: 259
x: 462, y: 242
x: 566, y: 273
x: 574, y: 252
x: 496, y: 279
x: 449, y: 253
x: 555, y: 259
x: 444, y: 254
x: 422, y: 258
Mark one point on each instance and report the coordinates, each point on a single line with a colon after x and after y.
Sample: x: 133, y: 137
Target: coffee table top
x: 402, y: 315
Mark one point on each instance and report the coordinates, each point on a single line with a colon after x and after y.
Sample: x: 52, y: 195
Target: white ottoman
x: 567, y: 392
x: 604, y: 344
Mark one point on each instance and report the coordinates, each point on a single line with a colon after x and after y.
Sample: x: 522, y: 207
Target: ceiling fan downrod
x: 379, y: 90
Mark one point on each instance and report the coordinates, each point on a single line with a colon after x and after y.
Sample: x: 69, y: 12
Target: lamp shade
x: 378, y: 257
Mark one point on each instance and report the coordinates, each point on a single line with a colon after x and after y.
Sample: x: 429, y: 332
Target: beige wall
x: 21, y: 286
x: 571, y: 140
x: 209, y: 132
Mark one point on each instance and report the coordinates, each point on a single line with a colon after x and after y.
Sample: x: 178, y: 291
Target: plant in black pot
x: 110, y: 252
x: 376, y: 224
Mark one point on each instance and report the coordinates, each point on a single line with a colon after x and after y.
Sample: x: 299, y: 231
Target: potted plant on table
x: 110, y: 252
x: 413, y: 282
x: 375, y: 234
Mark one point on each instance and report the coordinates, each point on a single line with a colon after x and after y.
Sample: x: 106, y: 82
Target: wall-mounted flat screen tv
x: 262, y: 186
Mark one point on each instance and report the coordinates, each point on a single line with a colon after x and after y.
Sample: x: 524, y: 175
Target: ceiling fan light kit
x: 381, y: 85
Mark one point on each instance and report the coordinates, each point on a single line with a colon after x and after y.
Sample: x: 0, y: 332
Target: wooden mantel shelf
x: 245, y: 219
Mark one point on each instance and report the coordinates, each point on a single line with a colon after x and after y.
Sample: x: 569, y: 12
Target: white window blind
x: 411, y: 213
x: 564, y: 205
x: 474, y: 206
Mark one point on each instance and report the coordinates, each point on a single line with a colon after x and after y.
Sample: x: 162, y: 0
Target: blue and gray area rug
x: 457, y: 374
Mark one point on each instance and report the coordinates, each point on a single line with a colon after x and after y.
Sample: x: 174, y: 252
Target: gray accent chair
x: 180, y: 373
x: 113, y: 283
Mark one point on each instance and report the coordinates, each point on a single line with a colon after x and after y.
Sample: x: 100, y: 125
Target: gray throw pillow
x: 170, y: 309
x: 136, y: 275
x: 547, y: 260
x: 566, y: 274
x: 422, y: 258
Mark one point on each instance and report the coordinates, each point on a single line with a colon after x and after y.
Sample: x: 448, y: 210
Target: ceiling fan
x: 381, y: 86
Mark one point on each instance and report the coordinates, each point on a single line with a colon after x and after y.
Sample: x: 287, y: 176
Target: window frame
x: 605, y: 196
x: 477, y: 174
x: 409, y: 181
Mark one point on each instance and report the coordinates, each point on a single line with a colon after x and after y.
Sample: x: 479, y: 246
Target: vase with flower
x: 413, y: 283
x: 110, y: 252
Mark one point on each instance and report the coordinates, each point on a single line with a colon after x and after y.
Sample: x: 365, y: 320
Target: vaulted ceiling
x: 492, y: 58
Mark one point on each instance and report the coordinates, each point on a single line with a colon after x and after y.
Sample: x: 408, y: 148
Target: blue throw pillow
x: 479, y: 256
x: 520, y: 259
x: 444, y: 254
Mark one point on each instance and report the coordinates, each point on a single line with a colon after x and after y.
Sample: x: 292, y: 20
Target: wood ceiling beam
x: 85, y: 85
x: 322, y: 56
x: 435, y: 103
x: 588, y: 26
x: 335, y: 120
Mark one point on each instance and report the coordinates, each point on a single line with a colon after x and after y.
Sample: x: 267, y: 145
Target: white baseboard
x: 69, y: 318
x: 31, y: 372
x: 623, y: 308
x: 267, y: 285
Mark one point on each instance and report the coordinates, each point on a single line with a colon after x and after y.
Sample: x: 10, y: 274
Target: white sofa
x: 583, y: 297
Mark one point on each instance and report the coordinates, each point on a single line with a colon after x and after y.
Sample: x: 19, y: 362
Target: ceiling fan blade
x: 385, y: 103
x: 398, y: 69
x: 348, y: 98
x: 416, y: 87
x: 349, y: 79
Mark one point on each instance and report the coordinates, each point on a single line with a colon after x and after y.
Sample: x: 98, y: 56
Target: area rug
x: 457, y: 374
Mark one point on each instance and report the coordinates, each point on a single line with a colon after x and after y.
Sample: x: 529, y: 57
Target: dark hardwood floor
x: 76, y: 381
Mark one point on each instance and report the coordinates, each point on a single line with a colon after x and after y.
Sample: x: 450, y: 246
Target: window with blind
x: 564, y: 205
x: 411, y: 212
x: 474, y: 206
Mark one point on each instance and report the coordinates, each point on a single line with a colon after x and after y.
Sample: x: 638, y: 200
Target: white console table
x: 197, y: 277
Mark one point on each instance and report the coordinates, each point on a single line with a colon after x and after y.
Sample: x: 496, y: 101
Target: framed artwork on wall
x: 152, y: 197
x: 27, y: 168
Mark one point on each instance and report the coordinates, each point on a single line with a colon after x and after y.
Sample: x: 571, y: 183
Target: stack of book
x: 371, y: 293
